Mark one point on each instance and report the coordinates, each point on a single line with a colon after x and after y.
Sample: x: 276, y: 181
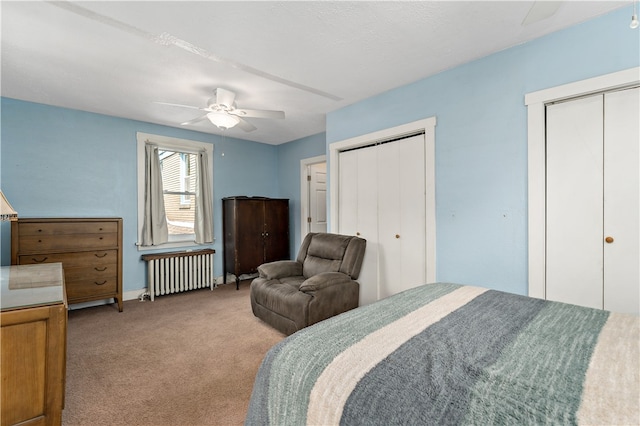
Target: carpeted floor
x: 184, y: 359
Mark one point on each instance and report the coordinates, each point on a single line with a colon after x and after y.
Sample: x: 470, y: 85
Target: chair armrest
x: 280, y: 269
x: 324, y: 280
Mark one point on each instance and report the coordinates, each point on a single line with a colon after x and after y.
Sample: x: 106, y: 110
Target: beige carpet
x: 184, y: 359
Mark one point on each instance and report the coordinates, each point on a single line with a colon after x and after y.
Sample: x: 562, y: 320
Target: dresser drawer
x: 67, y: 228
x: 90, y: 287
x: 72, y: 259
x: 96, y: 273
x: 40, y: 243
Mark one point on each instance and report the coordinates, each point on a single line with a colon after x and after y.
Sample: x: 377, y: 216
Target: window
x: 179, y: 191
x: 179, y: 164
x: 187, y: 165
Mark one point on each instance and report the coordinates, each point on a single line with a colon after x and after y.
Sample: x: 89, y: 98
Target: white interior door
x: 621, y: 207
x: 317, y: 197
x: 574, y: 204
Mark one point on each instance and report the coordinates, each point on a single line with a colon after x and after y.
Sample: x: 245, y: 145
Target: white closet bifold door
x: 401, y: 215
x: 382, y: 199
x: 574, y: 202
x: 621, y: 211
x: 592, y: 190
x: 358, y: 201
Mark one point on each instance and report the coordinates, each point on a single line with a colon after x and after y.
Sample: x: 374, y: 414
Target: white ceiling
x: 305, y: 58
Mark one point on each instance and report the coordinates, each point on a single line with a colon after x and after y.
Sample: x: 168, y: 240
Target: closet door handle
x: 609, y: 240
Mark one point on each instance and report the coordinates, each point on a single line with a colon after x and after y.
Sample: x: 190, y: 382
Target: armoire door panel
x: 621, y: 206
x: 276, y: 237
x: 574, y: 202
x: 249, y: 234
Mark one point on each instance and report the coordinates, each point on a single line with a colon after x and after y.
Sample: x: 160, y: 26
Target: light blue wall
x: 289, y: 156
x: 59, y: 162
x: 481, y: 141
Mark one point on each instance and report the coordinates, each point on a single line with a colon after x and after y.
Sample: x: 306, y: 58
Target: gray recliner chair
x: 292, y: 294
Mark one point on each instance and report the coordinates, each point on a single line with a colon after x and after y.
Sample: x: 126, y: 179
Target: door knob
x: 397, y: 235
x: 609, y: 240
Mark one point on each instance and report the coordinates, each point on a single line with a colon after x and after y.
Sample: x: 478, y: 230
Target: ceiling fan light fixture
x: 222, y: 120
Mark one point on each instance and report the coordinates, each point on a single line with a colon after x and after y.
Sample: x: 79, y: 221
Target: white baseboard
x: 135, y: 294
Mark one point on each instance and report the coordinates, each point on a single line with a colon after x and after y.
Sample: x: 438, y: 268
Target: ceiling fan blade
x: 541, y: 10
x: 245, y: 125
x: 225, y: 97
x: 257, y: 113
x: 180, y: 105
x: 195, y: 120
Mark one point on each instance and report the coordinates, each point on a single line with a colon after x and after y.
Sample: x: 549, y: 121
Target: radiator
x: 176, y: 272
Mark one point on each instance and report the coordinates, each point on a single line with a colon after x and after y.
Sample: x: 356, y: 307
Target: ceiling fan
x: 221, y: 111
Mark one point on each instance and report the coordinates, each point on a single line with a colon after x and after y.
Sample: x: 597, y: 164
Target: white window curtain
x: 203, y: 225
x: 154, y: 230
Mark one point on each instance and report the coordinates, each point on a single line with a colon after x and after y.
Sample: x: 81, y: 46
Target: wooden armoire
x: 255, y: 231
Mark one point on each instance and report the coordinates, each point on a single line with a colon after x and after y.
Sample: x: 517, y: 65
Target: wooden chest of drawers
x: 90, y: 250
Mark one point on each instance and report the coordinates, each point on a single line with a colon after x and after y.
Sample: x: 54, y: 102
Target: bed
x: 453, y: 354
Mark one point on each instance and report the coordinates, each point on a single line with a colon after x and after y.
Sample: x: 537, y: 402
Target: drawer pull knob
x: 102, y: 283
x: 103, y: 255
x: 39, y: 260
x: 101, y: 270
x: 39, y: 241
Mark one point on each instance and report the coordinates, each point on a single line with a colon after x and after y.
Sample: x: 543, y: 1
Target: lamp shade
x: 223, y: 120
x: 6, y: 211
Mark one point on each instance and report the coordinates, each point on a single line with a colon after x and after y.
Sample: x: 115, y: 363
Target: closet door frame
x: 536, y: 104
x: 426, y: 125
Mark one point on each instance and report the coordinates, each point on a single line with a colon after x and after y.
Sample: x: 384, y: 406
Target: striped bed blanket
x: 452, y: 354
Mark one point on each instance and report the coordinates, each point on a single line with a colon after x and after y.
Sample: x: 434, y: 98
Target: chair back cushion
x: 323, y: 252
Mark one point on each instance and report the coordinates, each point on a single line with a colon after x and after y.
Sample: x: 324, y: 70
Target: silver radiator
x: 176, y: 272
